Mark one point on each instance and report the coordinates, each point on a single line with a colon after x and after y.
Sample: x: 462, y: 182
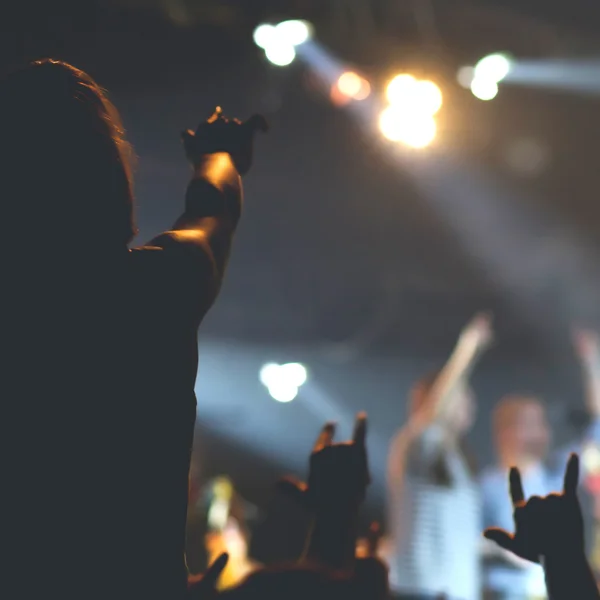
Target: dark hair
x: 64, y: 162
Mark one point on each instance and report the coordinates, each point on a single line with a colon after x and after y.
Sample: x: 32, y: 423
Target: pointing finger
x: 571, y: 476
x: 517, y: 494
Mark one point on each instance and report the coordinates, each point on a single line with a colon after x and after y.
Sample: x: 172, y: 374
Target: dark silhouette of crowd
x: 100, y: 347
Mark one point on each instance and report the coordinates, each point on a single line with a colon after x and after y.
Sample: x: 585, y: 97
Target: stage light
x: 484, y: 89
x: 293, y: 373
x: 294, y: 32
x: 415, y: 96
x: 428, y: 97
x: 280, y: 54
x: 414, y: 130
x: 264, y: 35
x: 353, y: 86
x: 494, y: 67
x: 399, y: 88
x: 283, y: 381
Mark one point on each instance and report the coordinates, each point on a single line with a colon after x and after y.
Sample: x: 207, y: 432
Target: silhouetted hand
x: 338, y: 475
x: 544, y: 527
x: 219, y: 134
x: 204, y: 587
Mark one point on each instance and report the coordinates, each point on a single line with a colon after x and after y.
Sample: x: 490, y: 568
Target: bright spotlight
x: 264, y: 36
x: 280, y: 54
x: 282, y: 393
x: 353, y: 86
x: 494, y: 67
x: 411, y: 95
x: 414, y: 130
x: 484, y: 89
x: 428, y: 97
x: 283, y: 381
x: 399, y: 88
x: 293, y: 373
x: 294, y: 32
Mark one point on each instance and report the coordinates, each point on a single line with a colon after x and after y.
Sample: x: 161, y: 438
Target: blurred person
x: 523, y: 439
x: 432, y: 489
x: 100, y: 340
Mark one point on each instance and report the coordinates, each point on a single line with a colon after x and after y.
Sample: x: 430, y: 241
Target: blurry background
x: 355, y: 259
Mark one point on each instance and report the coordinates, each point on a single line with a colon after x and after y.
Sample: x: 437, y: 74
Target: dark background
x: 342, y: 262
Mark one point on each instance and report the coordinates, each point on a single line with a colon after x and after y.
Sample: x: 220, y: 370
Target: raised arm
x: 453, y: 378
x: 220, y: 151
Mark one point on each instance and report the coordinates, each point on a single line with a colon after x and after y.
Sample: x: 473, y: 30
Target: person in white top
x: 432, y: 489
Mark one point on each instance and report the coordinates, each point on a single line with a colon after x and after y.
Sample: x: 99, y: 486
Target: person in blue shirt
x: 523, y: 439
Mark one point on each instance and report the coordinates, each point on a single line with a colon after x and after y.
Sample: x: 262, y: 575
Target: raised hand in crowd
x: 220, y: 134
x: 204, y: 587
x: 550, y: 531
x: 337, y: 484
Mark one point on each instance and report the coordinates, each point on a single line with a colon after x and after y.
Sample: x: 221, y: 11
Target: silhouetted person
x: 99, y: 341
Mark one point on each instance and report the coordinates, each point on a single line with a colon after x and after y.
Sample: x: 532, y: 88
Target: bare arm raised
x: 220, y: 151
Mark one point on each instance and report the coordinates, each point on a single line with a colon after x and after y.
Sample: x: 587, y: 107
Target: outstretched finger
x: 325, y: 437
x: 500, y: 537
x: 571, y: 480
x: 217, y: 114
x: 204, y: 586
x: 517, y: 495
x: 360, y: 429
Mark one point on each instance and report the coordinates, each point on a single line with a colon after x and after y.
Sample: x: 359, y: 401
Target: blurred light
x: 280, y: 54
x: 414, y: 130
x: 283, y: 393
x: 294, y: 32
x: 411, y: 95
x: 283, y: 381
x: 337, y: 98
x: 494, y: 67
x: 399, y: 87
x: 428, y: 96
x: 465, y: 76
x: 353, y: 86
x: 294, y: 373
x: 264, y: 35
x: 484, y: 89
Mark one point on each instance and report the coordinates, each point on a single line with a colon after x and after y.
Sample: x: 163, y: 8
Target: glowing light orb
x: 414, y: 130
x: 494, y: 67
x: 280, y: 54
x: 294, y: 32
x: 484, y: 89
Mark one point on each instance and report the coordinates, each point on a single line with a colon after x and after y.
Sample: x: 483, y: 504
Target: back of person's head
x: 65, y: 171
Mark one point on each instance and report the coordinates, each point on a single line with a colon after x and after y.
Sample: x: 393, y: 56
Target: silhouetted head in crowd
x: 462, y: 417
x: 65, y: 167
x: 302, y: 583
x: 521, y: 430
